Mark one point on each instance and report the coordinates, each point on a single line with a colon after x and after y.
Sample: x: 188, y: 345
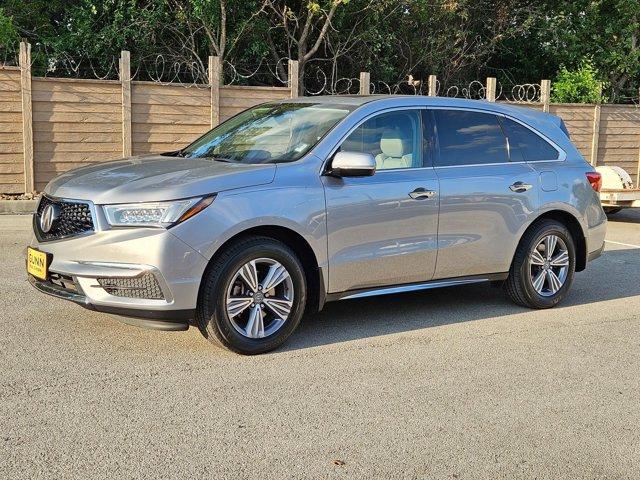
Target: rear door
x: 382, y: 230
x: 486, y: 198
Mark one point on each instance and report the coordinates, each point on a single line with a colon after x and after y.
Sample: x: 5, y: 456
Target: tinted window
x: 526, y: 144
x: 467, y: 138
x: 394, y: 139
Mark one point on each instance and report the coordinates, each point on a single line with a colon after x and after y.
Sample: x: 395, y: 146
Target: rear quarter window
x: 525, y: 144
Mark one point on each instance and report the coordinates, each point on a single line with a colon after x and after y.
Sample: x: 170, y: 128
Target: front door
x: 379, y: 233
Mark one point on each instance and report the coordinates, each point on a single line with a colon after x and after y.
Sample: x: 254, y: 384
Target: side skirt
x: 412, y: 287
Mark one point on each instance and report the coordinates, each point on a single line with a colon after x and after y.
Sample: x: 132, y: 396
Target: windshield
x: 269, y: 133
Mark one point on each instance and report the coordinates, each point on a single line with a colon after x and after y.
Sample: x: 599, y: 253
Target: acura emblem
x: 49, y: 215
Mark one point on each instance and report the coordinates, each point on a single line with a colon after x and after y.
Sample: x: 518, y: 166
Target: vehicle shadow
x: 626, y: 215
x: 615, y: 275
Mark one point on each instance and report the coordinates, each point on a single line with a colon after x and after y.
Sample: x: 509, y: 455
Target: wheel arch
x: 299, y: 245
x: 575, y: 228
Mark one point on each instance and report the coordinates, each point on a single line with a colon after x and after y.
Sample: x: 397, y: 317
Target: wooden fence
x: 51, y: 125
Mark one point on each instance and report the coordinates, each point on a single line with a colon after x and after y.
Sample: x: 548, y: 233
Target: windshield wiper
x: 176, y: 153
x: 224, y: 159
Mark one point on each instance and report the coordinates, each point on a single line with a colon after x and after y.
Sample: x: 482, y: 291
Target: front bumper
x: 169, y: 320
x: 93, y: 268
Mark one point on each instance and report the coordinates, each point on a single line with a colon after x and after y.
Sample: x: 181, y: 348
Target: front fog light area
x: 142, y: 286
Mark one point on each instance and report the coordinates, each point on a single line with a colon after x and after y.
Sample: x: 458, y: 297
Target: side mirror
x: 353, y: 164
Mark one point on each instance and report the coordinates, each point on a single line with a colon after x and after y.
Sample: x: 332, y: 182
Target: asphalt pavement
x: 454, y: 383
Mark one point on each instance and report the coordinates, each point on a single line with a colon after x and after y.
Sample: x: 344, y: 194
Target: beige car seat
x: 395, y: 150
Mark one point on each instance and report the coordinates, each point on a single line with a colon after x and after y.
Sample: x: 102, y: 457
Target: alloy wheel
x: 260, y: 298
x: 549, y: 265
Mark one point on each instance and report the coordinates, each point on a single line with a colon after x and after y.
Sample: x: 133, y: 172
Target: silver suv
x: 292, y: 204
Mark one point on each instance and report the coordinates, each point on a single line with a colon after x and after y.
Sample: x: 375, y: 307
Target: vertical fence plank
x: 125, y: 80
x: 595, y: 133
x: 365, y: 83
x: 545, y: 94
x: 214, y: 83
x: 433, y: 82
x: 27, y: 116
x: 293, y: 78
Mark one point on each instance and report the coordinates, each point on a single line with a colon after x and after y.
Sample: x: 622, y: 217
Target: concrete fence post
x: 365, y: 83
x: 545, y: 94
x: 638, y: 166
x: 433, y: 82
x: 125, y: 80
x: 491, y: 89
x: 595, y: 135
x: 215, y: 80
x: 27, y: 117
x: 293, y: 78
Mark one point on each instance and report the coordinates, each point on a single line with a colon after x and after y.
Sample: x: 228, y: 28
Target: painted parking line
x: 624, y: 244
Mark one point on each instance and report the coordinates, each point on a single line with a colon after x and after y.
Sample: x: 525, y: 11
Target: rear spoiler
x: 559, y: 123
x: 563, y: 127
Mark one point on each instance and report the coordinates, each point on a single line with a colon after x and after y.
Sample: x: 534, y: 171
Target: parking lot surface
x: 450, y: 383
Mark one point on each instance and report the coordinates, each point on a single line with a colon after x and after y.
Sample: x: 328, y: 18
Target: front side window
x: 270, y: 133
x: 526, y: 145
x: 469, y: 138
x: 394, y: 140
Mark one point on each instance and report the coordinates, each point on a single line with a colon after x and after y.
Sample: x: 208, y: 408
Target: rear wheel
x: 253, y: 296
x: 543, y: 266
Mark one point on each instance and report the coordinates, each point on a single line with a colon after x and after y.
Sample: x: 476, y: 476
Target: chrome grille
x: 142, y: 286
x: 74, y: 219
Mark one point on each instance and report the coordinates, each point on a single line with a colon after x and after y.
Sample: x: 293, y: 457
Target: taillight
x: 595, y: 180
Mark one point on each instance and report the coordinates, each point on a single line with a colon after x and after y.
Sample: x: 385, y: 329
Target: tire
x: 611, y: 210
x: 224, y: 283
x: 526, y: 266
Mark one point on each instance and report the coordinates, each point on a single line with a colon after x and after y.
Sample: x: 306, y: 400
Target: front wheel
x: 543, y: 266
x: 253, y: 296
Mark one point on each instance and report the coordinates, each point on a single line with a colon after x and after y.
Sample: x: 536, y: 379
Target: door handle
x: 520, y: 187
x: 420, y: 193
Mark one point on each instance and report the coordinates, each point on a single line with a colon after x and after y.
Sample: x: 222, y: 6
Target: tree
x: 8, y: 31
x: 605, y: 31
x: 304, y: 25
x: 518, y: 41
x: 578, y: 86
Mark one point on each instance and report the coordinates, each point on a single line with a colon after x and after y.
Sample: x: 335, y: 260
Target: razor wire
x: 47, y: 63
x: 319, y: 78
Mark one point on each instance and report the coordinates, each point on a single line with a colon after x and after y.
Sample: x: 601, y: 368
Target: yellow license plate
x: 37, y: 263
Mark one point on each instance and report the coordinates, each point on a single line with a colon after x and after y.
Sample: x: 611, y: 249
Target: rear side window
x: 469, y: 138
x: 527, y: 145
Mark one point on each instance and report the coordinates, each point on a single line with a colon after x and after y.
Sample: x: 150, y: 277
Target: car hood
x: 156, y: 178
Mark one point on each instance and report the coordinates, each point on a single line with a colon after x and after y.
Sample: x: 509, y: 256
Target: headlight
x: 155, y: 214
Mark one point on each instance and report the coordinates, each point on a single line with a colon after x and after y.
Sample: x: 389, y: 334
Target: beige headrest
x: 393, y: 143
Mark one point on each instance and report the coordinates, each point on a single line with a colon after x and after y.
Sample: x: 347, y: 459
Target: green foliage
x: 518, y: 41
x: 577, y: 86
x: 8, y: 31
